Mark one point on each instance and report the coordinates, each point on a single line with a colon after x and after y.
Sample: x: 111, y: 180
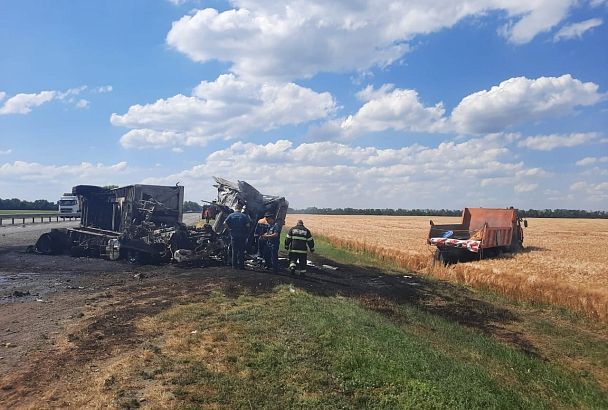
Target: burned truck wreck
x: 255, y: 204
x: 144, y: 224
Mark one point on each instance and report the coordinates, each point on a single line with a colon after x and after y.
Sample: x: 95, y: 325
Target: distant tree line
x: 37, y: 205
x: 530, y: 213
x: 190, y: 206
x: 563, y: 213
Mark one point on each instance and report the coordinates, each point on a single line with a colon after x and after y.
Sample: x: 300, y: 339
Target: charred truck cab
x: 136, y: 222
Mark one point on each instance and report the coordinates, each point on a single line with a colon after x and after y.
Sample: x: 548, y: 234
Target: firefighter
x: 297, y: 242
x: 239, y: 224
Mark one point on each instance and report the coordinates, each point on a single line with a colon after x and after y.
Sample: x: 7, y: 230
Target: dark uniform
x: 273, y: 238
x: 297, y: 242
x: 239, y: 224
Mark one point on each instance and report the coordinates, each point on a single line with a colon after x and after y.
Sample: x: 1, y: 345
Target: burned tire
x: 52, y: 243
x: 45, y: 244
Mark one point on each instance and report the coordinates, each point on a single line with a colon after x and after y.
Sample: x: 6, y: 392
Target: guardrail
x: 36, y: 217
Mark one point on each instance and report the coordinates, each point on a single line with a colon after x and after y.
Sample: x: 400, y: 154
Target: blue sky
x: 413, y: 103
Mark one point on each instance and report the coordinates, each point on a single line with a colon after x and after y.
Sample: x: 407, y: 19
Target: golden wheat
x: 564, y: 262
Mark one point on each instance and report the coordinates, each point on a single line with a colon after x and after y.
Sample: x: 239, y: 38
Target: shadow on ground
x: 121, y: 294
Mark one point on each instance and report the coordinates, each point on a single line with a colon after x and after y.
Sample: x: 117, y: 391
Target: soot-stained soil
x: 59, y: 314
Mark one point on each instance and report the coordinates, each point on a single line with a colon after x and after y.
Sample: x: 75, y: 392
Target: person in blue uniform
x: 273, y: 238
x: 239, y: 225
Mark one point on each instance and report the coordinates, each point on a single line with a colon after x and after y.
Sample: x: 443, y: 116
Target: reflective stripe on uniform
x: 309, y: 239
x: 297, y: 251
x: 301, y: 238
x: 288, y: 236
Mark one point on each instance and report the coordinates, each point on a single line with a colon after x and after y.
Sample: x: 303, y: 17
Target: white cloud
x: 520, y: 100
x: 335, y: 174
x: 6, y: 151
x: 551, y: 142
x: 298, y: 39
x: 576, y: 30
x: 523, y: 188
x: 82, y: 103
x: 591, y: 161
x: 23, y: 103
x: 225, y: 108
x: 398, y: 109
x: 512, y: 102
x: 70, y: 94
x: 33, y: 180
x: 147, y: 138
x: 104, y: 89
x: 28, y: 171
x: 593, y: 191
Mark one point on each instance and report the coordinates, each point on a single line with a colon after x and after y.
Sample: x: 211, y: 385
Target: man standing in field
x: 239, y: 225
x: 297, y: 241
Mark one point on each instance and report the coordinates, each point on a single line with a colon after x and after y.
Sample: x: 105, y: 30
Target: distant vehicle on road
x: 69, y: 204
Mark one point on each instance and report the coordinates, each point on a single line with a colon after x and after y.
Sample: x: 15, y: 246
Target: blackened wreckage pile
x: 143, y: 224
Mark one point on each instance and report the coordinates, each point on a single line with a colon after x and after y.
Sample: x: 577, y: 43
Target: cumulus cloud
x: 34, y: 180
x: 24, y: 103
x: 399, y: 110
x: 594, y: 191
x: 520, y: 100
x: 82, y: 103
x: 225, y: 108
x: 551, y: 142
x: 5, y: 151
x: 103, y: 89
x: 592, y: 161
x: 34, y: 171
x: 576, y: 30
x: 335, y: 174
x: 512, y: 102
x: 522, y: 188
x: 298, y: 39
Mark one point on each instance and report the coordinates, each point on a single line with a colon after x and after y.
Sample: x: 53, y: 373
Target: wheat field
x: 564, y: 262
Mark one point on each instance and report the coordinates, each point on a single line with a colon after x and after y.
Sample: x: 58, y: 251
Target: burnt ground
x: 60, y: 315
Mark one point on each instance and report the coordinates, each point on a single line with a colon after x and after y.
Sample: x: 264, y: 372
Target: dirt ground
x: 61, y: 316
